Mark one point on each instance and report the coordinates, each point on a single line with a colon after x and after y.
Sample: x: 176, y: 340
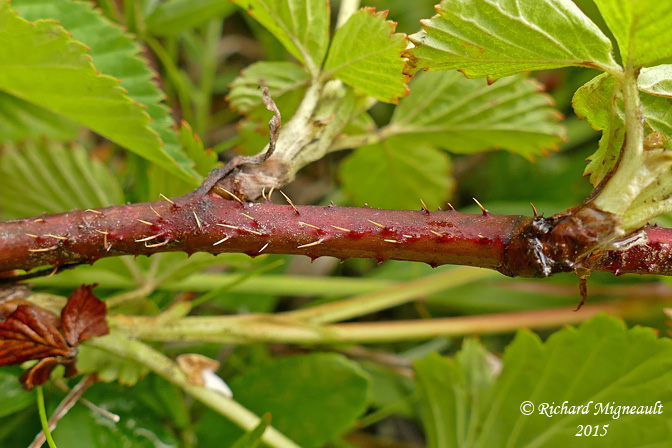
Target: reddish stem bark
x: 512, y: 245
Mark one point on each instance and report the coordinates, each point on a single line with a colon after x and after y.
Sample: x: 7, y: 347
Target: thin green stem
x: 212, y: 36
x: 166, y: 368
x: 255, y: 328
x: 178, y: 79
x: 43, y: 417
x: 396, y: 295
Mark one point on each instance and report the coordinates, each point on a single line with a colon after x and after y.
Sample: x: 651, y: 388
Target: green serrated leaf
x: 279, y: 77
x: 453, y: 395
x: 47, y: 177
x: 311, y: 398
x: 253, y: 438
x: 600, y: 102
x: 366, y: 54
x: 497, y: 38
x: 397, y: 173
x: 75, y: 88
x: 467, y: 116
x: 174, y: 16
x: 205, y: 160
x: 601, y: 362
x: 21, y: 120
x: 302, y: 26
x: 641, y: 29
x: 597, y: 102
x: 656, y: 80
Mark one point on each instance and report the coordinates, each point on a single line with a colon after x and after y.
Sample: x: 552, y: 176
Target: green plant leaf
x: 48, y: 177
x: 253, y: 438
x: 21, y: 120
x: 109, y: 367
x: 397, y: 173
x: 497, y: 38
x: 366, y: 54
x: 597, y: 102
x: 467, y: 116
x: 453, y: 394
x: 172, y: 17
x: 205, y: 160
x: 76, y: 89
x: 12, y: 396
x: 138, y: 427
x: 656, y: 80
x: 302, y: 26
x: 279, y: 77
x: 311, y: 398
x: 600, y: 102
x: 641, y: 29
x: 600, y: 362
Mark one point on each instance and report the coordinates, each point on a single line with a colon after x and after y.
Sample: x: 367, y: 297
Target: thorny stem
x: 513, y: 245
x: 166, y: 368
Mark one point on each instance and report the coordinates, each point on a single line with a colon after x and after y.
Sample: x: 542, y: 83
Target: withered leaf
x: 83, y: 317
x: 29, y: 333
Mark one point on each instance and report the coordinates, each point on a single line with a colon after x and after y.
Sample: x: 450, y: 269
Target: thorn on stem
x: 301, y: 223
x: 392, y: 241
x: 440, y: 235
x: 341, y: 228
x: 162, y: 243
x: 424, y: 207
x: 198, y: 221
x: 166, y: 199
x: 144, y: 222
x: 222, y: 240
x: 248, y: 216
x: 534, y: 210
x: 264, y: 247
x: 450, y: 206
x: 31, y: 235
x: 314, y: 243
x: 290, y: 202
x: 62, y: 238
x: 377, y: 224
x: 157, y: 213
x: 485, y: 212
x: 230, y: 194
x: 45, y: 249
x: 105, y: 244
x: 93, y: 211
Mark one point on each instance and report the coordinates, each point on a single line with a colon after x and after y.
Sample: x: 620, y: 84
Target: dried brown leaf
x: 83, y: 317
x: 30, y: 333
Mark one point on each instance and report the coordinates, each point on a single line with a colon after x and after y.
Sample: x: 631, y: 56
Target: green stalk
x: 166, y: 368
x: 387, y: 298
x: 43, y: 417
x: 212, y: 36
x: 255, y: 328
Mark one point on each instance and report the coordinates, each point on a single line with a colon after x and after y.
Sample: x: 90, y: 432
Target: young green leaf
x: 656, y: 80
x: 397, y: 173
x: 174, y: 16
x: 311, y: 398
x: 302, y: 26
x: 115, y: 54
x: 497, y: 38
x: 468, y: 116
x: 641, y: 29
x: 47, y: 177
x: 21, y: 120
x: 205, y: 160
x: 600, y: 102
x: 597, y: 102
x: 366, y: 54
x: 279, y: 77
x: 599, y: 363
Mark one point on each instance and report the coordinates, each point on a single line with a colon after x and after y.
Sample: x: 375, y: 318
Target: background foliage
x: 100, y: 106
